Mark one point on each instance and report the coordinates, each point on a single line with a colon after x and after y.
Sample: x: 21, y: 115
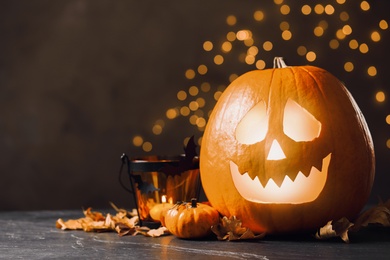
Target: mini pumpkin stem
x: 279, y: 63
x: 193, y: 203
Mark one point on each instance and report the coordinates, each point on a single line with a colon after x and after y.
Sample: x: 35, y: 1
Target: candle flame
x: 164, y: 198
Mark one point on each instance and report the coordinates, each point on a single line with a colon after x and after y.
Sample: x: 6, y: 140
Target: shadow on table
x: 371, y: 234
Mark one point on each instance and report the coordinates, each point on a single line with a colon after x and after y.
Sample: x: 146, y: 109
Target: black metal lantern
x: 158, y: 182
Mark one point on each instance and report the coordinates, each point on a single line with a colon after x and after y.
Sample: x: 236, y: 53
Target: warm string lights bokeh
x: 250, y: 48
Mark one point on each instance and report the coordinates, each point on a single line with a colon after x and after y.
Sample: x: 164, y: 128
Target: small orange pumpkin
x: 287, y: 149
x: 191, y: 220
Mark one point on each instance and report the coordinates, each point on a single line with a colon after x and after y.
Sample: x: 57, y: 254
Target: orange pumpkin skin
x: 344, y: 137
x: 191, y: 222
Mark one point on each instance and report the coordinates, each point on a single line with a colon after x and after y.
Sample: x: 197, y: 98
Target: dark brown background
x: 78, y: 79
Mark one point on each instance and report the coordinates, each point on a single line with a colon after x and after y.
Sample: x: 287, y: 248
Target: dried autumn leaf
x: 151, y: 232
x: 123, y: 229
x: 130, y: 222
x: 141, y: 230
x: 338, y: 228
x: 379, y: 215
x: 158, y: 232
x: 96, y: 222
x: 94, y: 215
x: 342, y: 226
x: 109, y: 222
x: 230, y: 229
x: 124, y: 212
x: 326, y: 231
x: 94, y: 226
x: 124, y: 225
x: 73, y: 224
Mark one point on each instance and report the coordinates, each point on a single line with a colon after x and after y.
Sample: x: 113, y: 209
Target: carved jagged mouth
x: 303, y: 189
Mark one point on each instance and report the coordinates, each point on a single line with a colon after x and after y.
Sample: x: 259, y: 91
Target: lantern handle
x: 125, y: 161
x: 279, y: 63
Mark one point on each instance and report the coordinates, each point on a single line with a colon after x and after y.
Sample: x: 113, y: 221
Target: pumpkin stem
x: 193, y: 203
x: 279, y: 63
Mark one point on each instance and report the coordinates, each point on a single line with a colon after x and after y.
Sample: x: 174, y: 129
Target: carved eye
x: 299, y: 124
x: 253, y: 126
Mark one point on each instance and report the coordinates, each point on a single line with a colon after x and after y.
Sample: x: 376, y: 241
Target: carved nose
x: 275, y: 152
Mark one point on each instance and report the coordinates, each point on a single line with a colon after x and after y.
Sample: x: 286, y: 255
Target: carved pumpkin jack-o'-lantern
x: 287, y: 149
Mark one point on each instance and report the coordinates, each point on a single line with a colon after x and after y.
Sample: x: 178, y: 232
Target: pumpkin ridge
x: 319, y: 88
x: 363, y: 125
x: 306, y: 170
x: 316, y: 161
x: 272, y: 76
x: 222, y: 107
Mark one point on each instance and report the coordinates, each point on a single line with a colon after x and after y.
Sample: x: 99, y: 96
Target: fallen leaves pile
x: 229, y: 229
x: 124, y: 223
x: 378, y: 215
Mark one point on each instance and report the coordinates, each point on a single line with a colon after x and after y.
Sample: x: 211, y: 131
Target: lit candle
x: 157, y: 213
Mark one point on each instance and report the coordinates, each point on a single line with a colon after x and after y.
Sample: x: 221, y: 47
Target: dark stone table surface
x: 33, y: 235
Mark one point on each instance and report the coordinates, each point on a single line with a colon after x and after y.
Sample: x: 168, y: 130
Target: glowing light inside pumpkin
x: 303, y: 189
x: 299, y: 124
x: 254, y: 126
x: 276, y: 152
